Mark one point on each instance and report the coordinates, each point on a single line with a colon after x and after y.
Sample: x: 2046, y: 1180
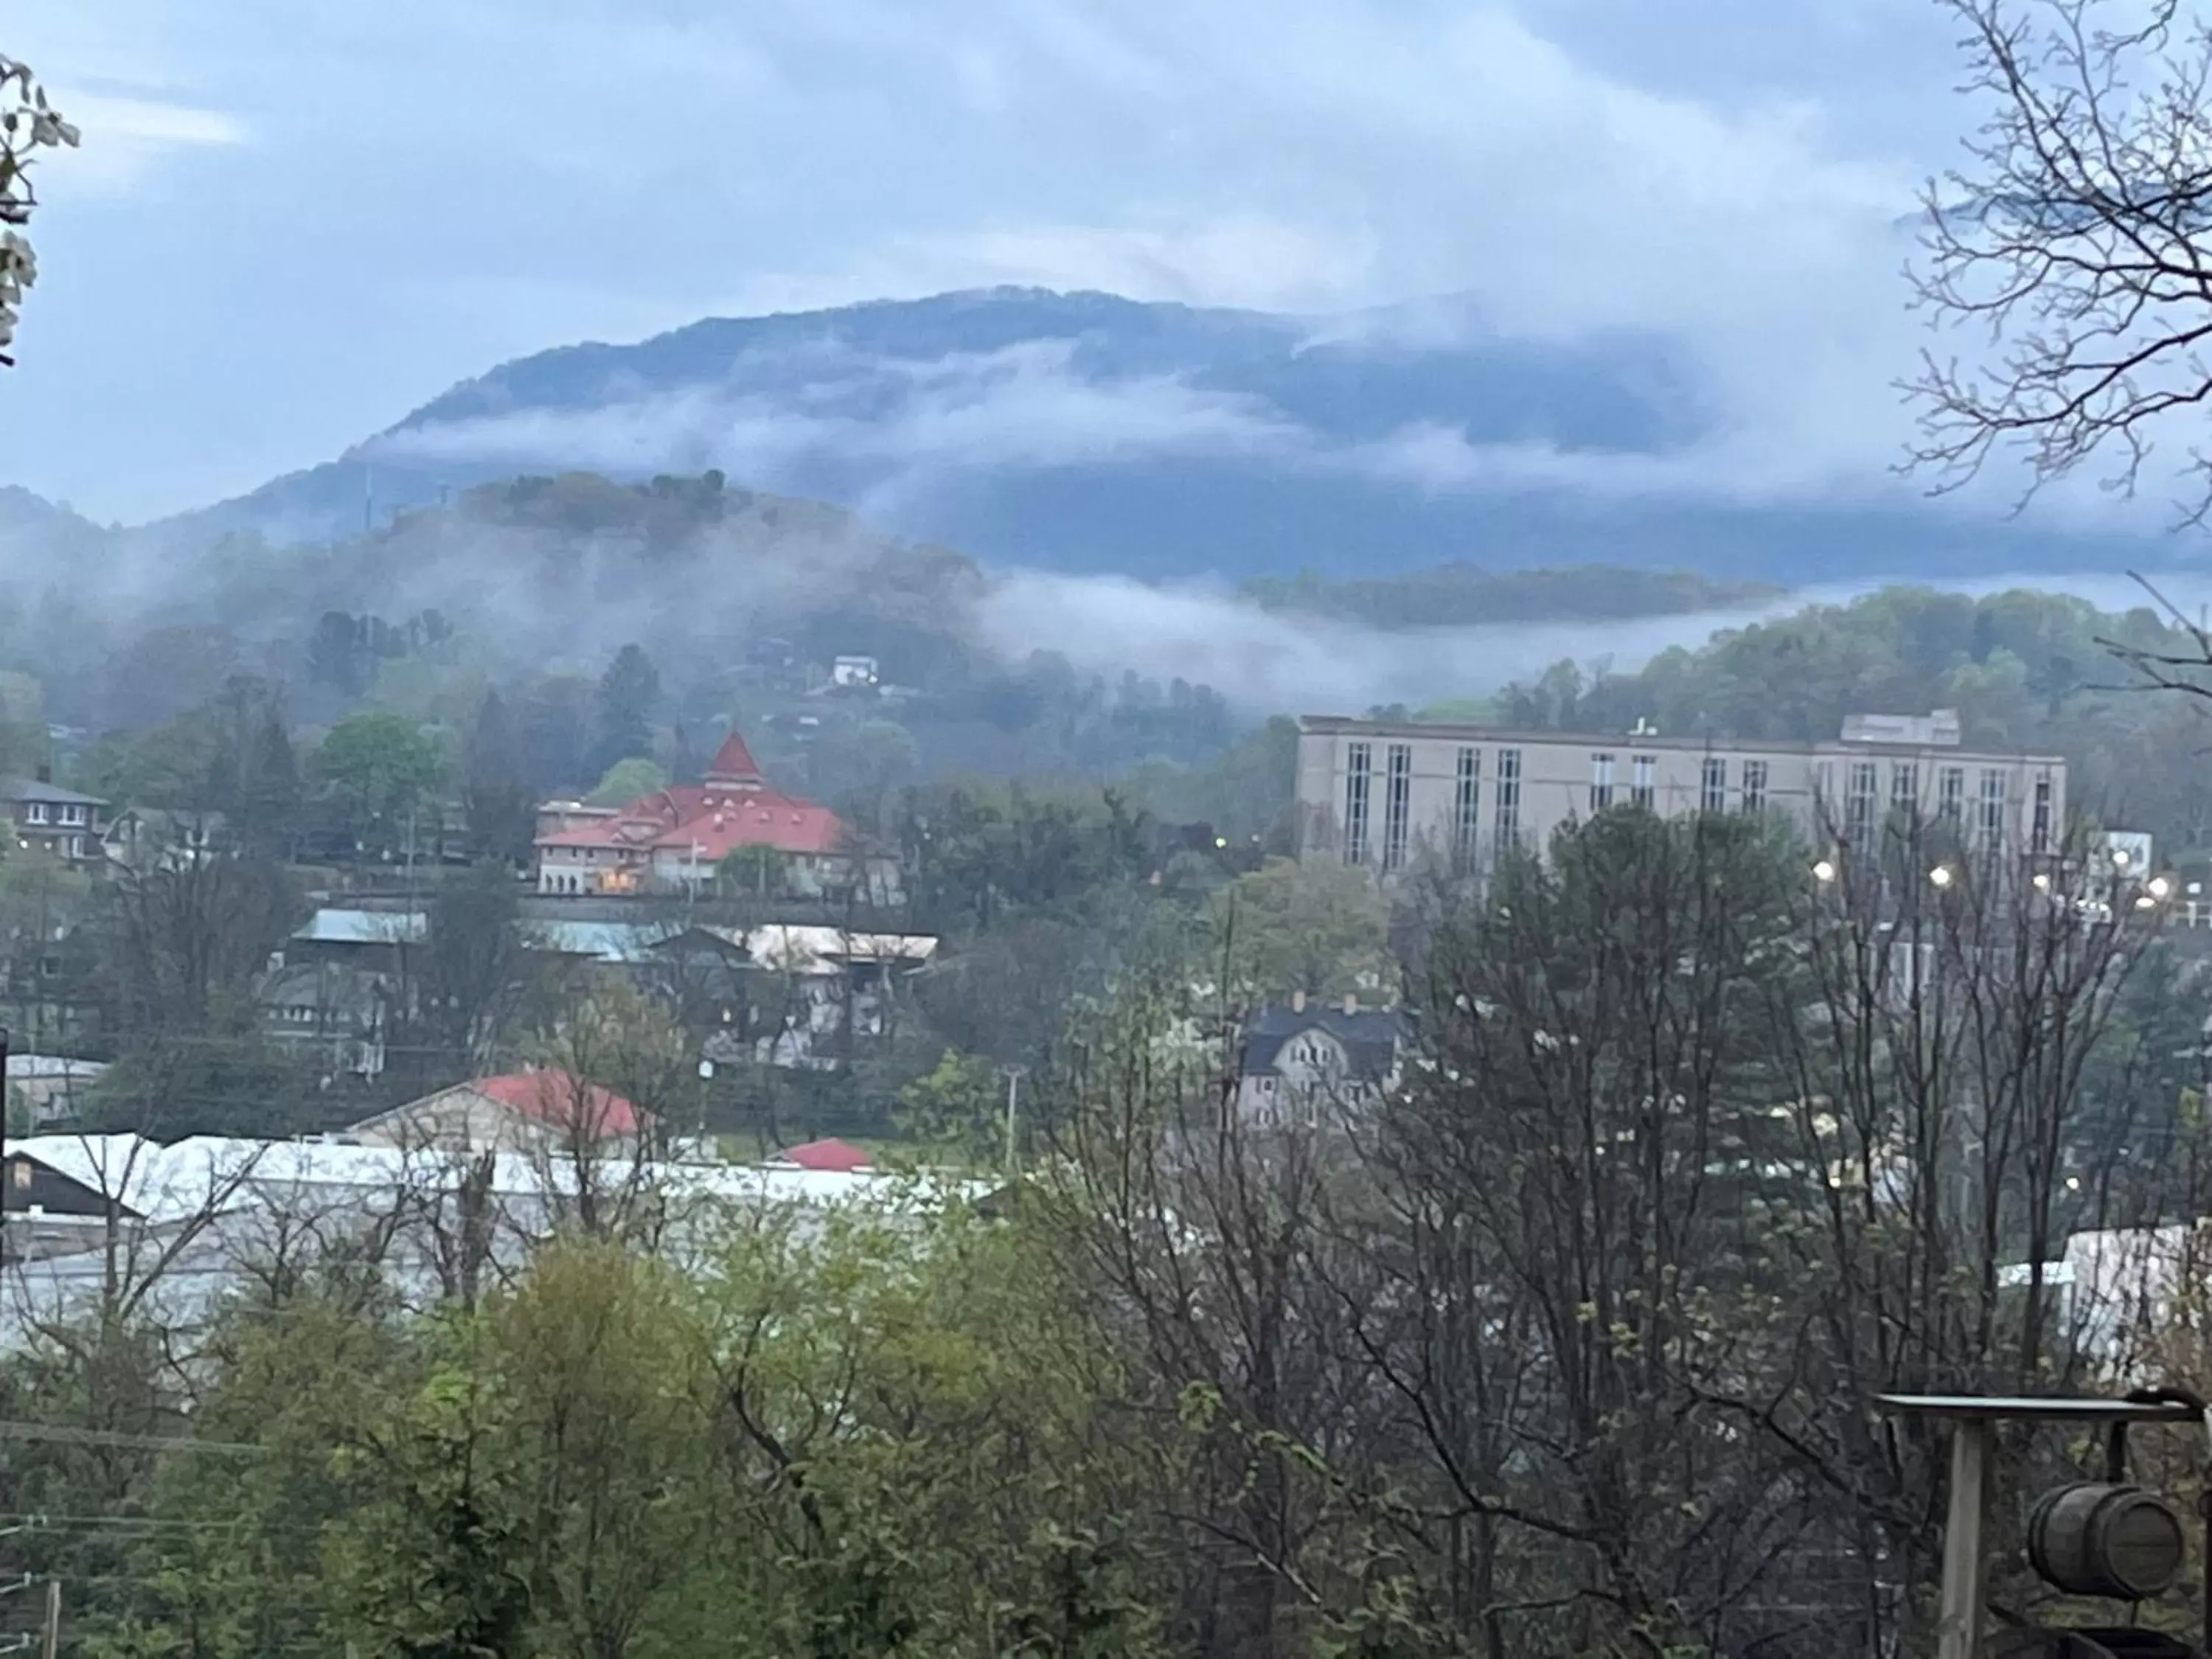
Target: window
x: 1397, y: 804
x: 72, y: 814
x: 2040, y: 830
x: 1904, y: 790
x: 1712, y: 793
x: 1755, y: 786
x: 1643, y: 781
x: 1508, y: 798
x: 1990, y: 821
x: 76, y: 847
x: 1859, y: 808
x: 1467, y: 806
x: 34, y: 811
x: 1951, y: 793
x: 20, y: 1173
x: 1601, y: 782
x: 1358, y: 781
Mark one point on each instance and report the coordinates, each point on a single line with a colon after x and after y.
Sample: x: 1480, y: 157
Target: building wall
x: 1523, y: 787
x: 457, y: 1121
x: 70, y: 830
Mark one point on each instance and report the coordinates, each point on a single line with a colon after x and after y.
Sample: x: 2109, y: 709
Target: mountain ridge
x: 1087, y: 433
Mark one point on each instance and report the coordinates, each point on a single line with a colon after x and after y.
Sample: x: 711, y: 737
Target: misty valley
x: 1307, y: 832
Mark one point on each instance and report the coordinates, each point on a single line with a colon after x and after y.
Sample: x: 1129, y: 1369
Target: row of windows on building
x: 1397, y: 802
x: 1862, y: 812
x: 64, y: 814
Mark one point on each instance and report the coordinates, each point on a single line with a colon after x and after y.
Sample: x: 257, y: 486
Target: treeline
x: 1562, y: 1346
x: 2025, y: 670
x: 1466, y: 595
x: 744, y: 601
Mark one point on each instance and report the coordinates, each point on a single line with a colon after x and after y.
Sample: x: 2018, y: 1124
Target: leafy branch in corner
x: 28, y: 123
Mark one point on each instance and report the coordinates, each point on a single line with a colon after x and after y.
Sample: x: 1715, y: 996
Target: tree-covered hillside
x: 2025, y: 670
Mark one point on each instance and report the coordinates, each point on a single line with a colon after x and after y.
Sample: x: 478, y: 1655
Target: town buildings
x: 676, y: 839
x: 63, y: 822
x: 532, y: 1111
x: 179, y: 1228
x: 1391, y: 795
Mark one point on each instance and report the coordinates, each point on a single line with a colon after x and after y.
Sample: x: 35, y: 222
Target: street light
x: 1823, y: 871
x: 2159, y: 887
x: 2043, y: 881
x: 1940, y: 876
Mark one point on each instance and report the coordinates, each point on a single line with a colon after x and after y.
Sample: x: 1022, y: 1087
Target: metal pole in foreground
x: 1960, y: 1630
x: 7, y: 1103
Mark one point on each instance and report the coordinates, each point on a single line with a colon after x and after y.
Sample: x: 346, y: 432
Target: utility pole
x: 7, y: 1103
x: 53, y: 1630
x: 1013, y: 1089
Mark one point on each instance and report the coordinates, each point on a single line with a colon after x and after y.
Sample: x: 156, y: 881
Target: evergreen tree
x: 629, y: 692
x: 495, y: 792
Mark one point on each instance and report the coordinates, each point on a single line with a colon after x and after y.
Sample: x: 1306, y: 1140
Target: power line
x: 59, y: 1433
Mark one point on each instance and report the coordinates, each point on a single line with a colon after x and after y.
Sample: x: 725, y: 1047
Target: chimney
x: 46, y: 773
x: 1352, y: 1002
x: 1297, y: 1002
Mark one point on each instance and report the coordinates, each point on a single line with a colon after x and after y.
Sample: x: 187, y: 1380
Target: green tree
x: 629, y: 697
x: 1320, y: 928
x: 495, y: 792
x: 378, y: 773
x: 959, y: 1105
x: 468, y: 976
x: 626, y: 780
x: 340, y: 654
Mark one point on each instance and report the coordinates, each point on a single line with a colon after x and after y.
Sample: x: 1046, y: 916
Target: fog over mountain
x: 1116, y: 483
x: 1082, y: 433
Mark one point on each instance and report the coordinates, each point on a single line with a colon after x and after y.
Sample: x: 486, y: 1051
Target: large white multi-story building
x: 1386, y: 794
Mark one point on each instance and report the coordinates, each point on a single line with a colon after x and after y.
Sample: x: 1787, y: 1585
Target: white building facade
x: 1390, y: 795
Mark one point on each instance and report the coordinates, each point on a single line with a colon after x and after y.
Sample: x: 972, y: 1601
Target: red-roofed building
x: 841, y: 1156
x: 677, y: 837
x: 519, y: 1111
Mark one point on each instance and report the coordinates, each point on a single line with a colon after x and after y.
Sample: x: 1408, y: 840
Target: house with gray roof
x: 1304, y: 1062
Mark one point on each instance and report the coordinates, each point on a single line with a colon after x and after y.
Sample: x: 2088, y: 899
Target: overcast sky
x: 293, y: 220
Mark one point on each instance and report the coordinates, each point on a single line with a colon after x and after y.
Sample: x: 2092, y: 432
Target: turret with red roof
x: 683, y: 832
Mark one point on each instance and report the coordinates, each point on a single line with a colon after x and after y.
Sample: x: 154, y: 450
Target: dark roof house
x: 1369, y: 1038
x: 1303, y: 1063
x: 65, y: 822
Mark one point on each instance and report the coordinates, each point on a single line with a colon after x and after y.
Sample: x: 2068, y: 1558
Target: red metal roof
x: 733, y: 763
x: 722, y: 822
x: 841, y: 1156
x: 557, y: 1097
x: 733, y: 808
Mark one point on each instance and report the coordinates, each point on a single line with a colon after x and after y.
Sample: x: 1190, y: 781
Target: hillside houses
x: 806, y: 993
x: 66, y: 822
